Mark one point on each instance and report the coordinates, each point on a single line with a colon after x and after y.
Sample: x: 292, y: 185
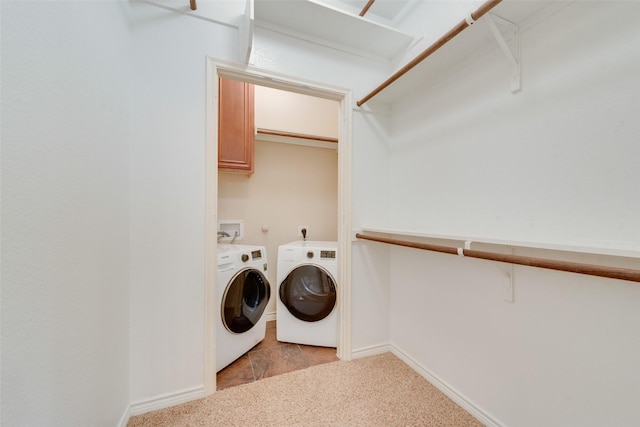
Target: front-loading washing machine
x: 306, y: 308
x: 243, y: 294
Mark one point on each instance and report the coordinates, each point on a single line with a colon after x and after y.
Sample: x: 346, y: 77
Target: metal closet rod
x: 573, y: 267
x: 474, y: 16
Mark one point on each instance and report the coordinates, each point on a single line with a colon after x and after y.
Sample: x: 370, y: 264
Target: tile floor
x: 272, y: 357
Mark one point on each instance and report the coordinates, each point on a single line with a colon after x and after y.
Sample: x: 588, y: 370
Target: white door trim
x: 216, y: 68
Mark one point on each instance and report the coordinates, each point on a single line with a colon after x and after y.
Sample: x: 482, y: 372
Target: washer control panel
x: 328, y: 254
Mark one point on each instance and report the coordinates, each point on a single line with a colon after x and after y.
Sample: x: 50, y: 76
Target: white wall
x: 65, y: 112
x: 370, y: 263
x: 371, y: 309
x: 292, y: 185
x: 562, y: 354
x: 168, y: 182
x: 167, y: 196
x: 427, y: 21
x: 556, y: 162
x: 544, y: 164
x: 293, y: 112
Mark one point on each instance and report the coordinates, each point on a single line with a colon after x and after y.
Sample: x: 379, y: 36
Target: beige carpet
x: 373, y: 391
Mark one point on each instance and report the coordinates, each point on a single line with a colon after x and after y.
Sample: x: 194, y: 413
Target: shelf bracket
x: 507, y: 275
x: 510, y: 46
x: 505, y: 271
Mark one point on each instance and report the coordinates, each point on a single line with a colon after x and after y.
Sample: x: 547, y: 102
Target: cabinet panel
x: 235, y: 126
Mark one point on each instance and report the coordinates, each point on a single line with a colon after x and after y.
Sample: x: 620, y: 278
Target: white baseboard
x: 452, y: 393
x: 166, y: 400
x: 370, y: 351
x: 270, y: 316
x: 124, y: 420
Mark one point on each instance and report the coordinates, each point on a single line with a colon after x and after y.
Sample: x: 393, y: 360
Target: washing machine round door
x: 245, y: 300
x: 309, y: 293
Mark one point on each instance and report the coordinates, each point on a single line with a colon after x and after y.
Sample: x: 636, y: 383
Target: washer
x: 243, y: 294
x: 306, y: 310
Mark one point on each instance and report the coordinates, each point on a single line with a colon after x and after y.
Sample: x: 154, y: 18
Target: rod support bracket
x: 469, y: 19
x: 510, y: 45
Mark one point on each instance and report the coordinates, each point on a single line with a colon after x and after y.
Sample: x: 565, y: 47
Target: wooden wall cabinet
x: 235, y: 126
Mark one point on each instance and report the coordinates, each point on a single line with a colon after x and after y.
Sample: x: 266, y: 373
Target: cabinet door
x: 235, y: 126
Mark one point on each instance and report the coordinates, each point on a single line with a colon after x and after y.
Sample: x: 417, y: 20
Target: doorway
x: 216, y: 69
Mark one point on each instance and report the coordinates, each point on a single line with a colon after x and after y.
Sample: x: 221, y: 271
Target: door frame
x: 218, y: 68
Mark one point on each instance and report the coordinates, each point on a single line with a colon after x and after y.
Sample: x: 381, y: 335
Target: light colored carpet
x: 373, y: 391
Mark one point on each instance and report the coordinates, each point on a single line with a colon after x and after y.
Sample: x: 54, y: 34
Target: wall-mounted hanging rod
x: 295, y: 135
x: 573, y: 267
x: 366, y: 7
x: 474, y: 16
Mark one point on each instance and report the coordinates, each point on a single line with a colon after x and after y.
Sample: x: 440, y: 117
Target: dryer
x: 306, y: 308
x: 243, y: 294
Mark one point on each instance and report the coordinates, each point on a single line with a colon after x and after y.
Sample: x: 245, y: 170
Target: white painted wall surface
x: 562, y: 354
x: 167, y: 197
x: 370, y: 167
x: 370, y: 263
x: 65, y: 245
x: 427, y: 21
x: 168, y: 182
x: 556, y: 162
x: 371, y: 306
x: 293, y: 112
x: 292, y: 185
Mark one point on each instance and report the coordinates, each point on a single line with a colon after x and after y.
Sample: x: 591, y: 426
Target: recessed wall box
x: 230, y: 230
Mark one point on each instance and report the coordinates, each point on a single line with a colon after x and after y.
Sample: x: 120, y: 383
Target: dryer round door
x: 309, y: 293
x: 245, y: 300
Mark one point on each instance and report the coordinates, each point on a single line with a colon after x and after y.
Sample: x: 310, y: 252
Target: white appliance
x: 306, y: 310
x: 243, y: 294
